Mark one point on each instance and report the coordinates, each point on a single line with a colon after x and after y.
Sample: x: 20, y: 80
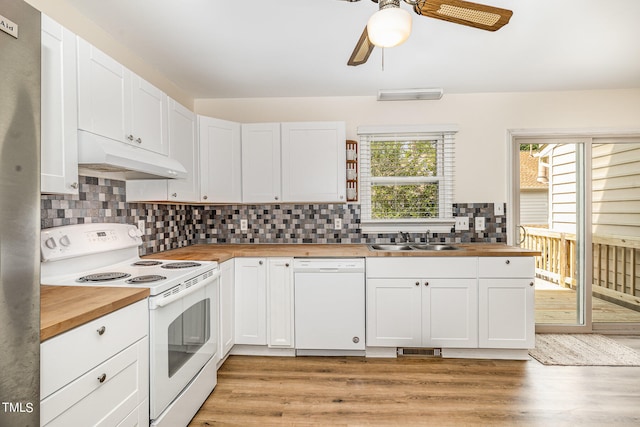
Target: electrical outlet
x: 462, y: 223
x: 479, y: 223
x: 498, y: 209
x: 244, y: 226
x: 337, y: 223
x: 141, y: 226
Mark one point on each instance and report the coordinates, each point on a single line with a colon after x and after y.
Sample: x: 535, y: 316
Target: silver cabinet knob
x: 356, y: 340
x: 276, y: 197
x: 102, y: 378
x: 205, y: 197
x: 130, y: 137
x: 531, y: 284
x: 286, y: 265
x: 507, y: 262
x: 426, y: 283
x: 74, y: 185
x: 139, y: 140
x: 417, y: 283
x: 260, y: 262
x: 101, y: 330
x: 174, y: 194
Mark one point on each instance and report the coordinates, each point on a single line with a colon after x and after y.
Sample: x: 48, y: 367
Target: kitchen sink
x: 434, y: 247
x: 412, y: 247
x: 390, y: 247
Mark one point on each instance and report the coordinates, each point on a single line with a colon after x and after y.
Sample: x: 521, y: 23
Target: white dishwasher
x: 329, y: 305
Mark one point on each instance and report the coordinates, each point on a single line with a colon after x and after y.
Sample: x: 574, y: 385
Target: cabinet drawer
x: 68, y: 356
x: 427, y: 267
x: 90, y: 401
x: 506, y: 267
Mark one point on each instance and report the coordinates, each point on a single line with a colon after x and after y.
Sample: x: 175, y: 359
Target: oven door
x: 183, y: 337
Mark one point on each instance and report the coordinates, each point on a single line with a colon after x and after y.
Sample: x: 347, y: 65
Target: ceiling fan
x: 391, y: 25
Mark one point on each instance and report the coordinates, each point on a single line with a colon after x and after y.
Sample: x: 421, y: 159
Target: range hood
x: 103, y: 154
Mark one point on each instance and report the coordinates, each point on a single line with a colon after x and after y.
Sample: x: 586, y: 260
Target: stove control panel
x: 84, y: 239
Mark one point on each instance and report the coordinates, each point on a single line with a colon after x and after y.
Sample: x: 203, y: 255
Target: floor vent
x: 424, y: 352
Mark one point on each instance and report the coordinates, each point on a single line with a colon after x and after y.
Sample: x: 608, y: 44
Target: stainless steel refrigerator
x: 19, y: 214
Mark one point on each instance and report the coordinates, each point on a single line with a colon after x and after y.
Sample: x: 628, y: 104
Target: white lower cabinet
x: 264, y: 302
x: 226, y: 312
x: 98, y: 373
x: 422, y: 313
x: 451, y: 303
x: 506, y: 303
x: 422, y: 302
x: 280, y: 303
x: 251, y: 301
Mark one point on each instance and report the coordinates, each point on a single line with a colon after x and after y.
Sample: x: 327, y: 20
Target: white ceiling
x: 283, y: 48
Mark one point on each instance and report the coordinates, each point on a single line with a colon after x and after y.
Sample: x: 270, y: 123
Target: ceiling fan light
x: 389, y: 27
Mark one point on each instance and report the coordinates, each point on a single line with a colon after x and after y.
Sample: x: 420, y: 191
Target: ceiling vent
x: 409, y: 94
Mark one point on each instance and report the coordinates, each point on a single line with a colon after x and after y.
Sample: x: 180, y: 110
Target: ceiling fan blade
x: 363, y: 49
x: 475, y: 15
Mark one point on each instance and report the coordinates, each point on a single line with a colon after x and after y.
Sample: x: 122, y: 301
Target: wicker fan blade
x: 466, y: 13
x: 363, y: 49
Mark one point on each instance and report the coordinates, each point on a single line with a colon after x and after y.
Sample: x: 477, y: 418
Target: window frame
x: 444, y: 135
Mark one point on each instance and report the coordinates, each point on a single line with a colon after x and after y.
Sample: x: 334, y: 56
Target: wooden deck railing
x: 616, y: 263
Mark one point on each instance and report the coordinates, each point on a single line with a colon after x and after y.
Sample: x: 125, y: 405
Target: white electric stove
x: 183, y: 307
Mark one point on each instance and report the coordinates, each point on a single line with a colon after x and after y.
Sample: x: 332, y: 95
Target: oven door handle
x: 155, y: 303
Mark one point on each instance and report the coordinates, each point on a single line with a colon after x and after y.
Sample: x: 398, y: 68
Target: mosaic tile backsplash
x: 170, y: 226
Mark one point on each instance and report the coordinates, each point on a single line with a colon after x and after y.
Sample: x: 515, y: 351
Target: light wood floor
x: 339, y: 391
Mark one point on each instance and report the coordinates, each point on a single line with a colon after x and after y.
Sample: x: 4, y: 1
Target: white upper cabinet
x: 182, y: 141
x: 149, y: 116
x: 103, y: 93
x: 313, y: 162
x: 184, y: 149
x: 261, y: 163
x: 220, y: 161
x: 59, y: 148
x: 115, y: 103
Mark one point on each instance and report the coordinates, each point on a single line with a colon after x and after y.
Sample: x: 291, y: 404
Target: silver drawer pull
x: 102, y: 378
x: 101, y: 330
x: 507, y: 262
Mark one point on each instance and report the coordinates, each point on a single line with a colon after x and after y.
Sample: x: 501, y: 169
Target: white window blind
x: 406, y: 177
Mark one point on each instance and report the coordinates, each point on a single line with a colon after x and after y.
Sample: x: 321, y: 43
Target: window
x: 407, y: 178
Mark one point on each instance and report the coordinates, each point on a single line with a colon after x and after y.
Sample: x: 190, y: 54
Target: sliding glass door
x: 550, y: 212
x: 577, y: 202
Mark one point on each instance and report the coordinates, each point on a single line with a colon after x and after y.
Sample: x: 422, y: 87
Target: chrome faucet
x: 427, y: 236
x: 404, y: 237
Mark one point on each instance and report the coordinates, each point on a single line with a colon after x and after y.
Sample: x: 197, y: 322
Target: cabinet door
x: 182, y: 147
x: 313, y: 162
x: 220, y: 160
x: 280, y: 302
x: 261, y: 163
x: 251, y: 301
x: 506, y: 313
x: 59, y: 147
x: 450, y: 313
x: 148, y: 117
x: 394, y: 312
x: 103, y: 93
x: 227, y: 280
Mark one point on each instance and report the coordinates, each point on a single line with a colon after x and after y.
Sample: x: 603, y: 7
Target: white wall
x: 483, y: 119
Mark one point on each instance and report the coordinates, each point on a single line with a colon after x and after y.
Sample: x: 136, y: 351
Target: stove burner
x: 146, y: 279
x: 103, y: 277
x: 176, y: 265
x: 146, y: 263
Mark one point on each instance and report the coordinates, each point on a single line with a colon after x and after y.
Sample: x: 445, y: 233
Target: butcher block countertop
x: 222, y: 252
x: 64, y: 307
